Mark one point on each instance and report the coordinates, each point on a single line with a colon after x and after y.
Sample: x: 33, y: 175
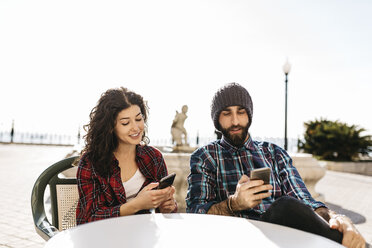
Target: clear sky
x: 58, y: 57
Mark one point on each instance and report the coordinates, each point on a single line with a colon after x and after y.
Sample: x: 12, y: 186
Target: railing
x: 37, y: 138
x: 292, y: 143
x: 60, y: 139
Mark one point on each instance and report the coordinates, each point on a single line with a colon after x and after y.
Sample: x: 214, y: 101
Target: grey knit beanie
x: 231, y: 94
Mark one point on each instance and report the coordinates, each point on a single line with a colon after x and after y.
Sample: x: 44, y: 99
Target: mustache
x: 235, y: 127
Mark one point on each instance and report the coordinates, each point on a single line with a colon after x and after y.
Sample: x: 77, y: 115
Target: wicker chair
x: 64, y: 197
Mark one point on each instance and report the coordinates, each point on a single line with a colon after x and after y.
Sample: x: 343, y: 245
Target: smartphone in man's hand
x: 261, y: 174
x: 166, y: 181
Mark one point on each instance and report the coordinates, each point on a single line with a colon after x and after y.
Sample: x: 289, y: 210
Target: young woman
x: 118, y: 171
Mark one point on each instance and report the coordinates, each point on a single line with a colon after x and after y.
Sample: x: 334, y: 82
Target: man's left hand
x: 351, y: 236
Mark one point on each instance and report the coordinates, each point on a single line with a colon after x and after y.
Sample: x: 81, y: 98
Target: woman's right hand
x: 148, y: 198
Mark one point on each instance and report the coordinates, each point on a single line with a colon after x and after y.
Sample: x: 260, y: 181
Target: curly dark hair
x: 100, y: 140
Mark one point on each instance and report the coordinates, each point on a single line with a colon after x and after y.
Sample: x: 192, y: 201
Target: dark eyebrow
x: 125, y: 118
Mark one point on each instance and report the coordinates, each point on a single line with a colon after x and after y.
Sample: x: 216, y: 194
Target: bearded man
x: 219, y: 180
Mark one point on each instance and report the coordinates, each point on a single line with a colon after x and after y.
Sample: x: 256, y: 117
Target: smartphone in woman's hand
x: 166, y: 181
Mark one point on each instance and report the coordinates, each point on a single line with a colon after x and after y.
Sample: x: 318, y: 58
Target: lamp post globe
x: 286, y: 67
x: 286, y: 70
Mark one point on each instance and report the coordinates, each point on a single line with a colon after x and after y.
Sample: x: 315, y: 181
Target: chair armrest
x: 43, y: 227
x: 46, y: 230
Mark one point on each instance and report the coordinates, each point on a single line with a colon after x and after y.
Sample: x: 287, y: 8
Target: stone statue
x: 178, y: 131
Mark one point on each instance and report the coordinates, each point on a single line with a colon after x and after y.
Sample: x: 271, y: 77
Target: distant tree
x: 334, y: 140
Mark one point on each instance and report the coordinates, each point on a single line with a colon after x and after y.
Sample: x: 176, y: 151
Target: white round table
x: 184, y: 230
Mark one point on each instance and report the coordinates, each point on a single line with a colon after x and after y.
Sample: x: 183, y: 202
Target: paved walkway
x: 20, y: 165
x: 349, y: 194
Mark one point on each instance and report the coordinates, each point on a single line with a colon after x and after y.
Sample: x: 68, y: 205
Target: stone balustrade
x: 180, y: 164
x: 360, y: 167
x: 308, y: 167
x: 310, y: 171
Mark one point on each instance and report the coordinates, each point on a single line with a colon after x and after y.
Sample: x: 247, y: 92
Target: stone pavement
x: 20, y: 165
x: 349, y: 194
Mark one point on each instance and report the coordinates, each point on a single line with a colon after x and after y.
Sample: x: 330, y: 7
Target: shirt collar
x: 248, y: 145
x: 140, y: 158
x: 140, y: 152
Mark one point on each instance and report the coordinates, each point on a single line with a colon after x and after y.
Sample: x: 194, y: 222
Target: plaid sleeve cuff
x: 116, y: 211
x: 318, y: 204
x: 200, y: 209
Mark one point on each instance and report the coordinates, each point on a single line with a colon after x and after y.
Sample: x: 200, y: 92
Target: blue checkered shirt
x: 216, y: 168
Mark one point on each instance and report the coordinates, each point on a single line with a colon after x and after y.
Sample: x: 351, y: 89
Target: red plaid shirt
x: 100, y: 197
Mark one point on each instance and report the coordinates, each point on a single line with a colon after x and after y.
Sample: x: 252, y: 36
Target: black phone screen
x: 166, y: 181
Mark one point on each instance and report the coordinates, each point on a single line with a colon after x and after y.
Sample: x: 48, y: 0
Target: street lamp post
x: 286, y: 70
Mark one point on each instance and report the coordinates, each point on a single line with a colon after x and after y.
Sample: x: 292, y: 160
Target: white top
x: 133, y: 185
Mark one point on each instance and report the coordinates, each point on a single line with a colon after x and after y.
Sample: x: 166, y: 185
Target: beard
x: 236, y: 140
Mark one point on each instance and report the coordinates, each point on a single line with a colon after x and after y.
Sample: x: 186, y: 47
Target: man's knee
x: 285, y: 209
x: 288, y: 204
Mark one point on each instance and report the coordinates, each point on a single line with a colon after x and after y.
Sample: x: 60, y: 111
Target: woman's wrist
x: 129, y: 208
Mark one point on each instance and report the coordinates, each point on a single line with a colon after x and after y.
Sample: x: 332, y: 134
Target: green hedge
x: 334, y: 140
